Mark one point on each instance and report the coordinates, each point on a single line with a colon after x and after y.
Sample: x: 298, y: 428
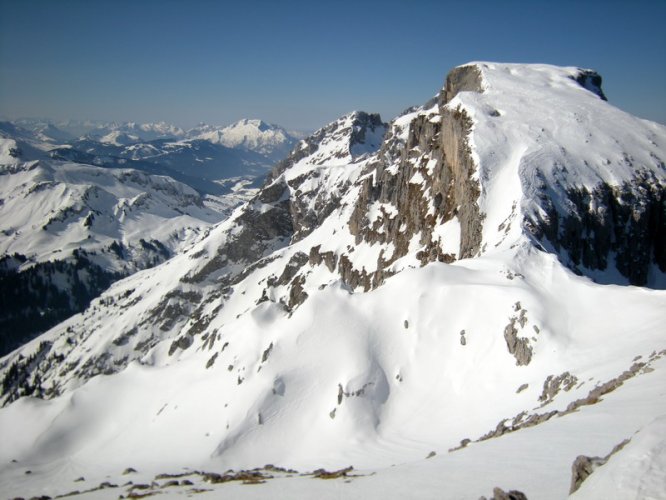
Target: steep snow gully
x: 467, y: 301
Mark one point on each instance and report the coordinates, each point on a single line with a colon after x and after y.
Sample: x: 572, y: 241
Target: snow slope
x: 374, y: 303
x: 118, y: 138
x: 421, y: 389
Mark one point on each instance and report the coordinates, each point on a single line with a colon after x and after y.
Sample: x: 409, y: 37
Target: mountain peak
x: 255, y: 135
x: 343, y: 141
x: 260, y: 125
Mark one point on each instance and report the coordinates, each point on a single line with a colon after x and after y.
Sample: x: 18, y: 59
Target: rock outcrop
x: 622, y: 225
x: 500, y: 494
x: 591, y: 80
x: 584, y: 466
x: 422, y: 179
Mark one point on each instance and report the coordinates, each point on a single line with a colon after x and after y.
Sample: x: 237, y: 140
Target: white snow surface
x: 255, y: 135
x: 376, y: 380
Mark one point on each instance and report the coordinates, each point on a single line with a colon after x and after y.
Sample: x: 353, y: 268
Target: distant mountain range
x: 252, y: 134
x: 199, y: 156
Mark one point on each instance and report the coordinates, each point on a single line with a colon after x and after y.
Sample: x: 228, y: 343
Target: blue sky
x: 303, y: 64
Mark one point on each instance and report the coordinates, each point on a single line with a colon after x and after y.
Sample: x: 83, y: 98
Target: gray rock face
x: 465, y: 191
x: 296, y: 293
x: 553, y: 384
x: 265, y: 224
x: 584, y: 466
x: 625, y: 224
x: 500, y: 494
x: 447, y: 187
x: 329, y: 258
x: 308, y: 209
x: 591, y: 80
x: 519, y: 347
x: 462, y: 79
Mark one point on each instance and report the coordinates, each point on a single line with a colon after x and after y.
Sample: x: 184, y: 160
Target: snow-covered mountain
x: 70, y: 230
x: 118, y: 138
x: 443, y: 302
x: 138, y: 132
x: 21, y: 144
x: 46, y: 131
x: 272, y: 141
x: 65, y: 131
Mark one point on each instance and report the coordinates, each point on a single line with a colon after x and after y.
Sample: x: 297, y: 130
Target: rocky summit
x: 467, y: 299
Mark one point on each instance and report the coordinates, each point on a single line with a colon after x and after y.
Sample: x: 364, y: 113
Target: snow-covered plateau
x: 465, y: 302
